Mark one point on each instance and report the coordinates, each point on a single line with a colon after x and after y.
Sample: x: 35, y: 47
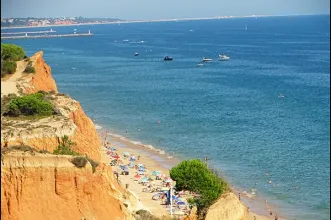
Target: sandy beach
x: 153, y: 160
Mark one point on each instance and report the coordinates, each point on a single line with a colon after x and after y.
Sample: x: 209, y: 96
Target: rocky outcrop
x: 45, y: 186
x: 46, y: 133
x: 42, y: 79
x: 228, y: 207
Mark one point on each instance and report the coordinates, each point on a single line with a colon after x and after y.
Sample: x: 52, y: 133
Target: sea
x: 262, y: 118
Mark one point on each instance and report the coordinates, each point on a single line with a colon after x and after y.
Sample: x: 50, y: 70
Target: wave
x: 140, y: 144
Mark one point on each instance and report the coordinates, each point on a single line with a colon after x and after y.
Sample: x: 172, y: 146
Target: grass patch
x: 44, y: 152
x: 24, y: 148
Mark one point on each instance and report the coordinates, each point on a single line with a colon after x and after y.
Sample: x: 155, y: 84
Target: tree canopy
x: 195, y: 176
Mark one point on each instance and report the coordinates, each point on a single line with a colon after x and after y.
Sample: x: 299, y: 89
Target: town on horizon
x: 54, y: 21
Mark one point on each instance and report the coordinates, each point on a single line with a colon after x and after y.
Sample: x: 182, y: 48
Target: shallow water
x: 228, y: 111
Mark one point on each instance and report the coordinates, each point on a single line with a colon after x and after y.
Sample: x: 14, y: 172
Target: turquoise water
x: 228, y: 111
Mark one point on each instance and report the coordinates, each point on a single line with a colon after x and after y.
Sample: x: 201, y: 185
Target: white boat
x: 199, y: 65
x: 206, y: 59
x: 223, y: 57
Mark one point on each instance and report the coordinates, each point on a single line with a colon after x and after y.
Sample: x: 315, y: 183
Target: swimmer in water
x: 159, y: 122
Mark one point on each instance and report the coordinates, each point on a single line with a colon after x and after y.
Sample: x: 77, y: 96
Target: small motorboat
x: 136, y: 54
x: 206, y: 59
x: 199, y: 65
x: 167, y: 58
x: 223, y: 57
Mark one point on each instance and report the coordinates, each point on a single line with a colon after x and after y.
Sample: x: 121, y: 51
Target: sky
x: 159, y: 9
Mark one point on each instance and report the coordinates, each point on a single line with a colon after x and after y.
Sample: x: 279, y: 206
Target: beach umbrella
x: 113, y: 148
x: 126, y: 153
x: 140, y: 173
x: 180, y: 203
x: 155, y: 172
x: 144, y: 180
x: 140, y: 165
x: 116, y: 157
x: 137, y: 176
x: 168, y: 180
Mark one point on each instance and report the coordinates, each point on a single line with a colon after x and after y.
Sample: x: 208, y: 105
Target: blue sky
x: 158, y: 9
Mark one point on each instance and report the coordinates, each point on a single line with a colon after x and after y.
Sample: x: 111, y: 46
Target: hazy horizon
x: 160, y: 10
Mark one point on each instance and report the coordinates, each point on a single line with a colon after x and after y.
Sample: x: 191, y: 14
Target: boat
x: 199, y: 64
x: 206, y: 59
x: 245, y: 27
x: 167, y: 58
x: 136, y: 54
x: 223, y: 57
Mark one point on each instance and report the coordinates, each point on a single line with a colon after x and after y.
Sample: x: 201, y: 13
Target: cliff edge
x: 42, y: 186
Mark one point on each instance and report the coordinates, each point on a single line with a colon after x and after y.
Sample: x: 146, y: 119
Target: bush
x: 12, y: 52
x: 79, y: 162
x: 93, y: 163
x: 29, y: 69
x: 65, y: 147
x: 8, y: 67
x: 145, y: 215
x: 194, y: 175
x: 28, y: 105
x: 44, y: 152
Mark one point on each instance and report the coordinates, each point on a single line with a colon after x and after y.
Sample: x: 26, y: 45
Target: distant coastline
x: 158, y: 20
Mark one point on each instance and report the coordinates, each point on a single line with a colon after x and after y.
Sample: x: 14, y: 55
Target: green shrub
x: 29, y: 69
x: 28, y: 105
x: 8, y: 67
x: 65, y: 147
x: 12, y: 52
x: 79, y: 162
x: 194, y: 175
x: 44, y: 152
x: 145, y: 215
x: 93, y: 163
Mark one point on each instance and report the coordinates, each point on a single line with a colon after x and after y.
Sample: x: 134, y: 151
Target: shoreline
x: 162, y: 162
x: 158, y: 20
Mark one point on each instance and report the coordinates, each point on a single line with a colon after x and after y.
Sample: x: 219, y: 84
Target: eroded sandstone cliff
x: 45, y: 186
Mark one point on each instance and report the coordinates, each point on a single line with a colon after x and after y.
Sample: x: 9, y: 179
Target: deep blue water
x: 228, y: 111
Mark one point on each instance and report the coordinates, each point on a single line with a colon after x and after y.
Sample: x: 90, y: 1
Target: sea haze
x: 229, y: 111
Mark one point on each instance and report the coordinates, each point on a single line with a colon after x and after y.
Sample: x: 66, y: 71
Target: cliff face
x: 50, y: 187
x: 46, y: 186
x: 42, y: 79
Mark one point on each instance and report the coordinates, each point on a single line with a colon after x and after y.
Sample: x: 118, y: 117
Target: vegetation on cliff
x: 29, y: 105
x: 66, y: 148
x: 9, y: 54
x: 195, y: 176
x: 29, y: 68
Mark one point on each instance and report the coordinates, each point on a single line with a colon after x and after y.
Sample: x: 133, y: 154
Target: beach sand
x: 153, y: 160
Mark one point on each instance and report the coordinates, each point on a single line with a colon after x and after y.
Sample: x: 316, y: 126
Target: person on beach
x: 276, y: 217
x: 138, y: 157
x: 239, y: 197
x: 254, y: 217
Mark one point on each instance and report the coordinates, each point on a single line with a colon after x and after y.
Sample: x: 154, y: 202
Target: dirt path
x: 9, y: 85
